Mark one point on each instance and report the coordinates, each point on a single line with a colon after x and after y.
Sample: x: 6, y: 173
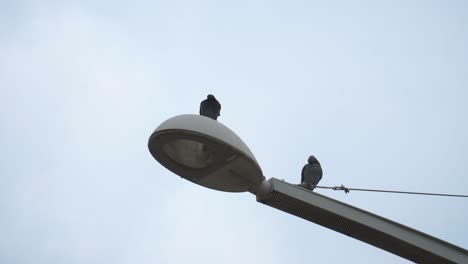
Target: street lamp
x: 208, y: 153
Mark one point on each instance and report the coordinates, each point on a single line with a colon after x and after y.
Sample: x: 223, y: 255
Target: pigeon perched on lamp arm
x: 311, y: 174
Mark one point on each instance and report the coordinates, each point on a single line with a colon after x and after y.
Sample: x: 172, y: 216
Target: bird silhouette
x: 311, y: 173
x: 210, y: 107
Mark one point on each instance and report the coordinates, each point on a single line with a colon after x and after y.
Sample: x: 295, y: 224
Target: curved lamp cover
x: 205, y: 152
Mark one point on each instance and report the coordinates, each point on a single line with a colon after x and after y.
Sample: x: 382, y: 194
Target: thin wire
x: 347, y: 190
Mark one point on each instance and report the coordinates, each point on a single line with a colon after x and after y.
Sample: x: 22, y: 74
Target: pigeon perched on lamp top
x: 210, y: 107
x: 311, y: 174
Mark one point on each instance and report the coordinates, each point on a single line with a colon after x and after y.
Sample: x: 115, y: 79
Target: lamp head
x: 205, y: 152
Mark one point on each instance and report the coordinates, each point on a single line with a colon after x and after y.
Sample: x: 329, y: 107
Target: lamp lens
x: 189, y: 153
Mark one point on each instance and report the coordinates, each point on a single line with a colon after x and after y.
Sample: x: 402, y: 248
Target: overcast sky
x: 377, y: 91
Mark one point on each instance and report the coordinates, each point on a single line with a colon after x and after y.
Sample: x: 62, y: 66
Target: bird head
x: 210, y: 96
x: 312, y: 160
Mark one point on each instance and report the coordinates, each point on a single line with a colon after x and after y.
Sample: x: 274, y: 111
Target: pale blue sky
x: 376, y: 90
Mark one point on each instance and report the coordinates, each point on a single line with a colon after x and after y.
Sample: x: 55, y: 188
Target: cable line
x: 347, y: 190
